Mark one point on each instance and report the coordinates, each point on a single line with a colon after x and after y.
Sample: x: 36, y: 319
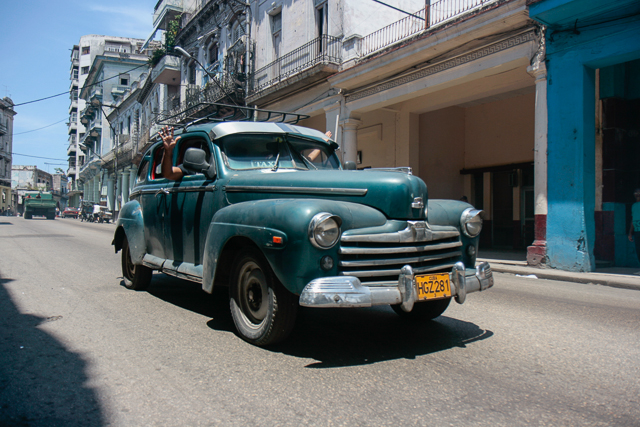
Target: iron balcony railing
x: 325, y: 49
x: 434, y: 14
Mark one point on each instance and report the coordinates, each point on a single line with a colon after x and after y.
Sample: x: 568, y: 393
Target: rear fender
x: 131, y: 226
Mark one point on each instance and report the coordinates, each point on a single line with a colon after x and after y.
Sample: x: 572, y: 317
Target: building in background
x: 28, y: 178
x: 6, y: 150
x: 59, y: 188
x: 107, y: 68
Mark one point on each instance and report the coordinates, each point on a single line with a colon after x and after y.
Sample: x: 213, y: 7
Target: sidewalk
x: 514, y: 262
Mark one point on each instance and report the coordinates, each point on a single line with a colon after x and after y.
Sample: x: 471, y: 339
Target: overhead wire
x: 93, y: 84
x: 43, y: 127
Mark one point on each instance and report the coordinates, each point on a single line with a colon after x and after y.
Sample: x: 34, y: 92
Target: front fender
x: 448, y: 212
x: 130, y: 225
x: 295, y: 261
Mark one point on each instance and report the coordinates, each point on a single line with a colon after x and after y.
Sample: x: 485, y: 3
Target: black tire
x: 27, y: 216
x: 426, y: 310
x: 263, y: 311
x: 136, y: 277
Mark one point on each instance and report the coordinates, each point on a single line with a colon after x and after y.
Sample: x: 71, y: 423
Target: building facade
x: 489, y: 100
x: 6, y: 149
x: 593, y: 67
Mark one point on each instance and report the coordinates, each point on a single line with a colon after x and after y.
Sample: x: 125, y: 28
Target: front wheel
x: 136, y: 277
x: 263, y: 311
x: 426, y: 310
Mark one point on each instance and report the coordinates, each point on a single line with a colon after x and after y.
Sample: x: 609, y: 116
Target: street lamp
x: 211, y: 76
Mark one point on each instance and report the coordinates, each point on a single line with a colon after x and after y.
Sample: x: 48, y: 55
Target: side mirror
x: 350, y: 166
x: 195, y: 159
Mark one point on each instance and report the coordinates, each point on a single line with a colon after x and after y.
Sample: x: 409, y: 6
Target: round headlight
x: 471, y: 222
x: 324, y: 230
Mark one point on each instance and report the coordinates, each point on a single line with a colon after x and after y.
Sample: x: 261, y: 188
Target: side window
x: 143, y: 170
x: 184, y: 145
x: 156, y: 168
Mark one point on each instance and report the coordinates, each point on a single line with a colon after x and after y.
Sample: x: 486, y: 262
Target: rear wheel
x: 426, y: 310
x: 136, y: 277
x: 263, y: 311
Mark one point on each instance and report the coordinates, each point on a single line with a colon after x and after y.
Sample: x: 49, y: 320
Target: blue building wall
x: 582, y: 36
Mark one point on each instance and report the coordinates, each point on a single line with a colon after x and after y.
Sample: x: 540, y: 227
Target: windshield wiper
x: 275, y: 167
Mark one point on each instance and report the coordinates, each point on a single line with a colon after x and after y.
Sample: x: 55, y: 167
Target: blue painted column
x: 571, y: 163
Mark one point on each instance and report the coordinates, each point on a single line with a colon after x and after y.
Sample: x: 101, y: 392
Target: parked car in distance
x: 268, y: 210
x: 70, y: 212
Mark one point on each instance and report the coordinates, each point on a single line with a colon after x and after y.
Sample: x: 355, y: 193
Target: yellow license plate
x: 433, y: 286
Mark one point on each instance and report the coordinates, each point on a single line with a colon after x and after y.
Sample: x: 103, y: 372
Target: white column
x: 125, y: 186
x: 350, y: 139
x: 111, y: 197
x: 536, y: 254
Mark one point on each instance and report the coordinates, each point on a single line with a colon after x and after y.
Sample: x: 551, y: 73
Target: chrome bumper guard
x: 347, y: 291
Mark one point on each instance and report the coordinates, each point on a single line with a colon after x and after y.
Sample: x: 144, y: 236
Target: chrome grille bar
x: 394, y: 261
x: 349, y: 250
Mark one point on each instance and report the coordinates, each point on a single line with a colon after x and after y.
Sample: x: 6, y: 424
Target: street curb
x: 613, y: 280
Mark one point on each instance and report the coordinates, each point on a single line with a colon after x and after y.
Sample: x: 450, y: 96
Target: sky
x: 35, y: 49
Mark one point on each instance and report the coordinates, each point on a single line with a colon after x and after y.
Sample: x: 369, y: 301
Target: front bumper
x: 347, y: 291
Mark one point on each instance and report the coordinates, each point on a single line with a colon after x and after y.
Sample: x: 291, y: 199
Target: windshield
x: 252, y: 151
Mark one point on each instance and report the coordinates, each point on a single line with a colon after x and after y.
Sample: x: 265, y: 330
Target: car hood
x: 388, y: 191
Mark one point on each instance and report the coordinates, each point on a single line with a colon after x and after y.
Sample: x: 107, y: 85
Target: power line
x: 69, y: 91
x: 44, y: 127
x: 38, y: 157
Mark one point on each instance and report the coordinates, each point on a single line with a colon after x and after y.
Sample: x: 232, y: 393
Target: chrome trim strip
x: 416, y: 231
x: 395, y: 272
x: 312, y: 190
x: 397, y: 250
x: 393, y: 261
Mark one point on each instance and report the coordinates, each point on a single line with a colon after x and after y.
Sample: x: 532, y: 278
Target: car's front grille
x: 377, y: 258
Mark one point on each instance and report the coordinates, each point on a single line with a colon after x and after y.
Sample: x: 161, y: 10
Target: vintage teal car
x: 270, y: 212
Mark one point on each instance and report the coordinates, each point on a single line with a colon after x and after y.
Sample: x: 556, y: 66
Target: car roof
x: 221, y: 129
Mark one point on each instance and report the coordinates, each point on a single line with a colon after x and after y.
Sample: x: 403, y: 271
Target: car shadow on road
x: 348, y: 337
x: 333, y: 337
x: 190, y: 296
x: 41, y: 382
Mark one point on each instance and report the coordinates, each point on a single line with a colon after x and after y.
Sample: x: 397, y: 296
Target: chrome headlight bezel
x: 319, y: 227
x: 471, y: 222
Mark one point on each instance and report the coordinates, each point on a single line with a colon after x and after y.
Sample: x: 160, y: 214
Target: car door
x: 191, y: 206
x: 154, y: 203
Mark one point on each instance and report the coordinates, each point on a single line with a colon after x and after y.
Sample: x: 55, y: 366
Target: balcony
x: 117, y: 91
x: 71, y: 149
x: 437, y: 14
x: 73, y: 127
x: 71, y: 170
x: 307, y: 64
x: 165, y: 11
x: 73, y: 106
x: 167, y: 71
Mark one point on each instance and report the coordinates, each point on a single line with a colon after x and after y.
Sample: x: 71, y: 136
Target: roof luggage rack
x: 216, y: 112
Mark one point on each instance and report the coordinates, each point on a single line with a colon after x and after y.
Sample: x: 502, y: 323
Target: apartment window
x: 124, y: 80
x: 321, y: 18
x: 75, y: 73
x: 85, y: 70
x: 276, y: 33
x: 213, y: 53
x: 86, y: 50
x: 191, y: 74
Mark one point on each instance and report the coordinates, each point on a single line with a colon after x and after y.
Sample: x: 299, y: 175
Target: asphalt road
x: 78, y: 349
